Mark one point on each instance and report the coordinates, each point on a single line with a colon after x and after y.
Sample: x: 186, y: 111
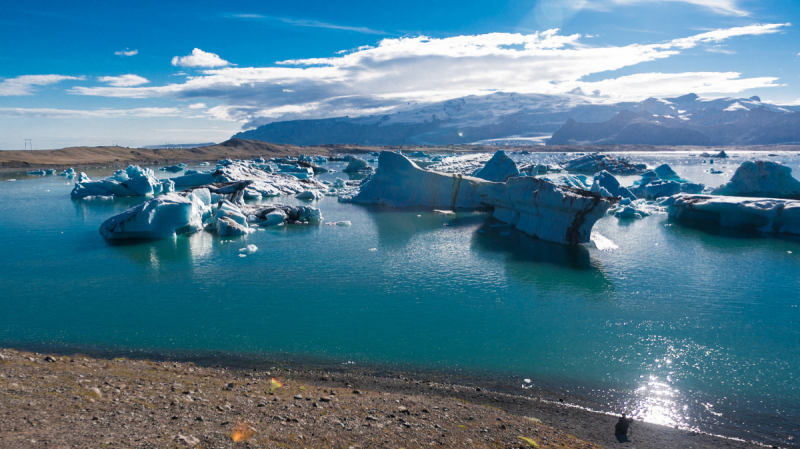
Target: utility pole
x: 28, y: 143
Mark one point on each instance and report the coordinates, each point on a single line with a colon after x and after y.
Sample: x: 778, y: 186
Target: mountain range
x: 511, y: 118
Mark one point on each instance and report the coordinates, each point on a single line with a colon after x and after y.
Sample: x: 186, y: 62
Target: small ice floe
x: 338, y: 223
x: 312, y: 195
x: 12, y: 180
x: 249, y: 249
x: 443, y: 212
x: 603, y: 243
x: 242, y: 255
x: 373, y: 249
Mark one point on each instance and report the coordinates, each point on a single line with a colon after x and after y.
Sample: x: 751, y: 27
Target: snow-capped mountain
x: 526, y: 118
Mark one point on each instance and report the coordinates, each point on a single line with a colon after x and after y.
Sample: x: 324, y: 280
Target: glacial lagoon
x: 694, y: 327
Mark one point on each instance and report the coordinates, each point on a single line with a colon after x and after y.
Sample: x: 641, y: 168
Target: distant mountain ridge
x: 570, y: 119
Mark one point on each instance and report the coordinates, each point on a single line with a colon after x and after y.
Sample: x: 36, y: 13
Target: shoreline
x: 120, y: 157
x: 594, y: 427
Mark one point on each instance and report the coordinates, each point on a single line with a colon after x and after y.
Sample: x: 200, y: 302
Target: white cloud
x: 26, y: 84
x: 197, y: 106
x: 423, y: 69
x: 123, y: 80
x: 724, y: 7
x: 199, y: 58
x: 126, y: 52
x: 97, y: 113
x: 309, y: 23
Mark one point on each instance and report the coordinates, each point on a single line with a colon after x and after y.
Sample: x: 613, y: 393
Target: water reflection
x: 547, y: 265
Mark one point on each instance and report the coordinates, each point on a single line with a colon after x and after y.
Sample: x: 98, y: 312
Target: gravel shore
x: 75, y: 401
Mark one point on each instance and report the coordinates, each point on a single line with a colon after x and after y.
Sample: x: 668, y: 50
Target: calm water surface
x: 690, y: 327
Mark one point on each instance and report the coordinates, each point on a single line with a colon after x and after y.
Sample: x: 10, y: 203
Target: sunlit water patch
x: 680, y: 326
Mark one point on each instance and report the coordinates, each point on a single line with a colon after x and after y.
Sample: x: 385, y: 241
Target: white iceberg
x: 766, y: 215
x: 70, y: 172
x: 499, y: 168
x: 761, y: 179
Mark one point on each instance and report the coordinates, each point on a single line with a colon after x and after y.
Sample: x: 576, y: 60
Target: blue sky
x: 140, y: 73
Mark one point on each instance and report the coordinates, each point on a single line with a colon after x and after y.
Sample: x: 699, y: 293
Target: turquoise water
x: 689, y: 327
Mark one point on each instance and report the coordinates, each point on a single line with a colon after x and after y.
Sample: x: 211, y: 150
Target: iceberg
x: 663, y: 182
x: 173, y: 168
x: 544, y: 210
x: 533, y: 205
x: 276, y: 214
x: 133, y: 181
x: 399, y: 182
x: 37, y: 172
x: 627, y: 209
x: 162, y: 217
x: 567, y: 180
x: 608, y: 186
x: 595, y: 162
x: 263, y: 184
x: 761, y: 179
x: 499, y: 168
x: 69, y: 173
x: 766, y: 215
x: 310, y: 195
x: 357, y: 165
x: 665, y: 172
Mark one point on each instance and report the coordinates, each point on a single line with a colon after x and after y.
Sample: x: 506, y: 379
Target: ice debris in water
x: 338, y: 223
x: 249, y: 249
x: 761, y: 179
x: 607, y: 185
x: 69, y: 173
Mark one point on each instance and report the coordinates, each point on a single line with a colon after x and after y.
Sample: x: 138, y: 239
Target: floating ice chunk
x: 83, y: 178
x: 443, y: 212
x: 274, y: 218
x: 37, y: 172
x: 203, y: 164
x: 173, y: 168
x: 310, y: 195
x: 761, y: 179
x: 162, y: 217
x: 338, y: 223
x: 249, y: 249
x: 627, y: 209
x: 499, y: 168
x: 544, y: 210
x: 767, y: 215
x: 607, y: 181
x: 339, y: 183
x: 69, y: 173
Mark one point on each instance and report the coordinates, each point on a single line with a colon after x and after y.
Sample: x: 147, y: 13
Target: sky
x: 148, y: 73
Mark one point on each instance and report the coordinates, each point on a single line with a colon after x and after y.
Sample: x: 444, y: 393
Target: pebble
x: 298, y: 396
x: 49, y: 359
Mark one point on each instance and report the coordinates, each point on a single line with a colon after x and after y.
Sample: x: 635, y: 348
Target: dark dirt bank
x: 87, y: 157
x: 76, y: 401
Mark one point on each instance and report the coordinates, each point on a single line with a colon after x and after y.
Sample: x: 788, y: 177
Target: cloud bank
x: 26, y: 84
x: 422, y: 69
